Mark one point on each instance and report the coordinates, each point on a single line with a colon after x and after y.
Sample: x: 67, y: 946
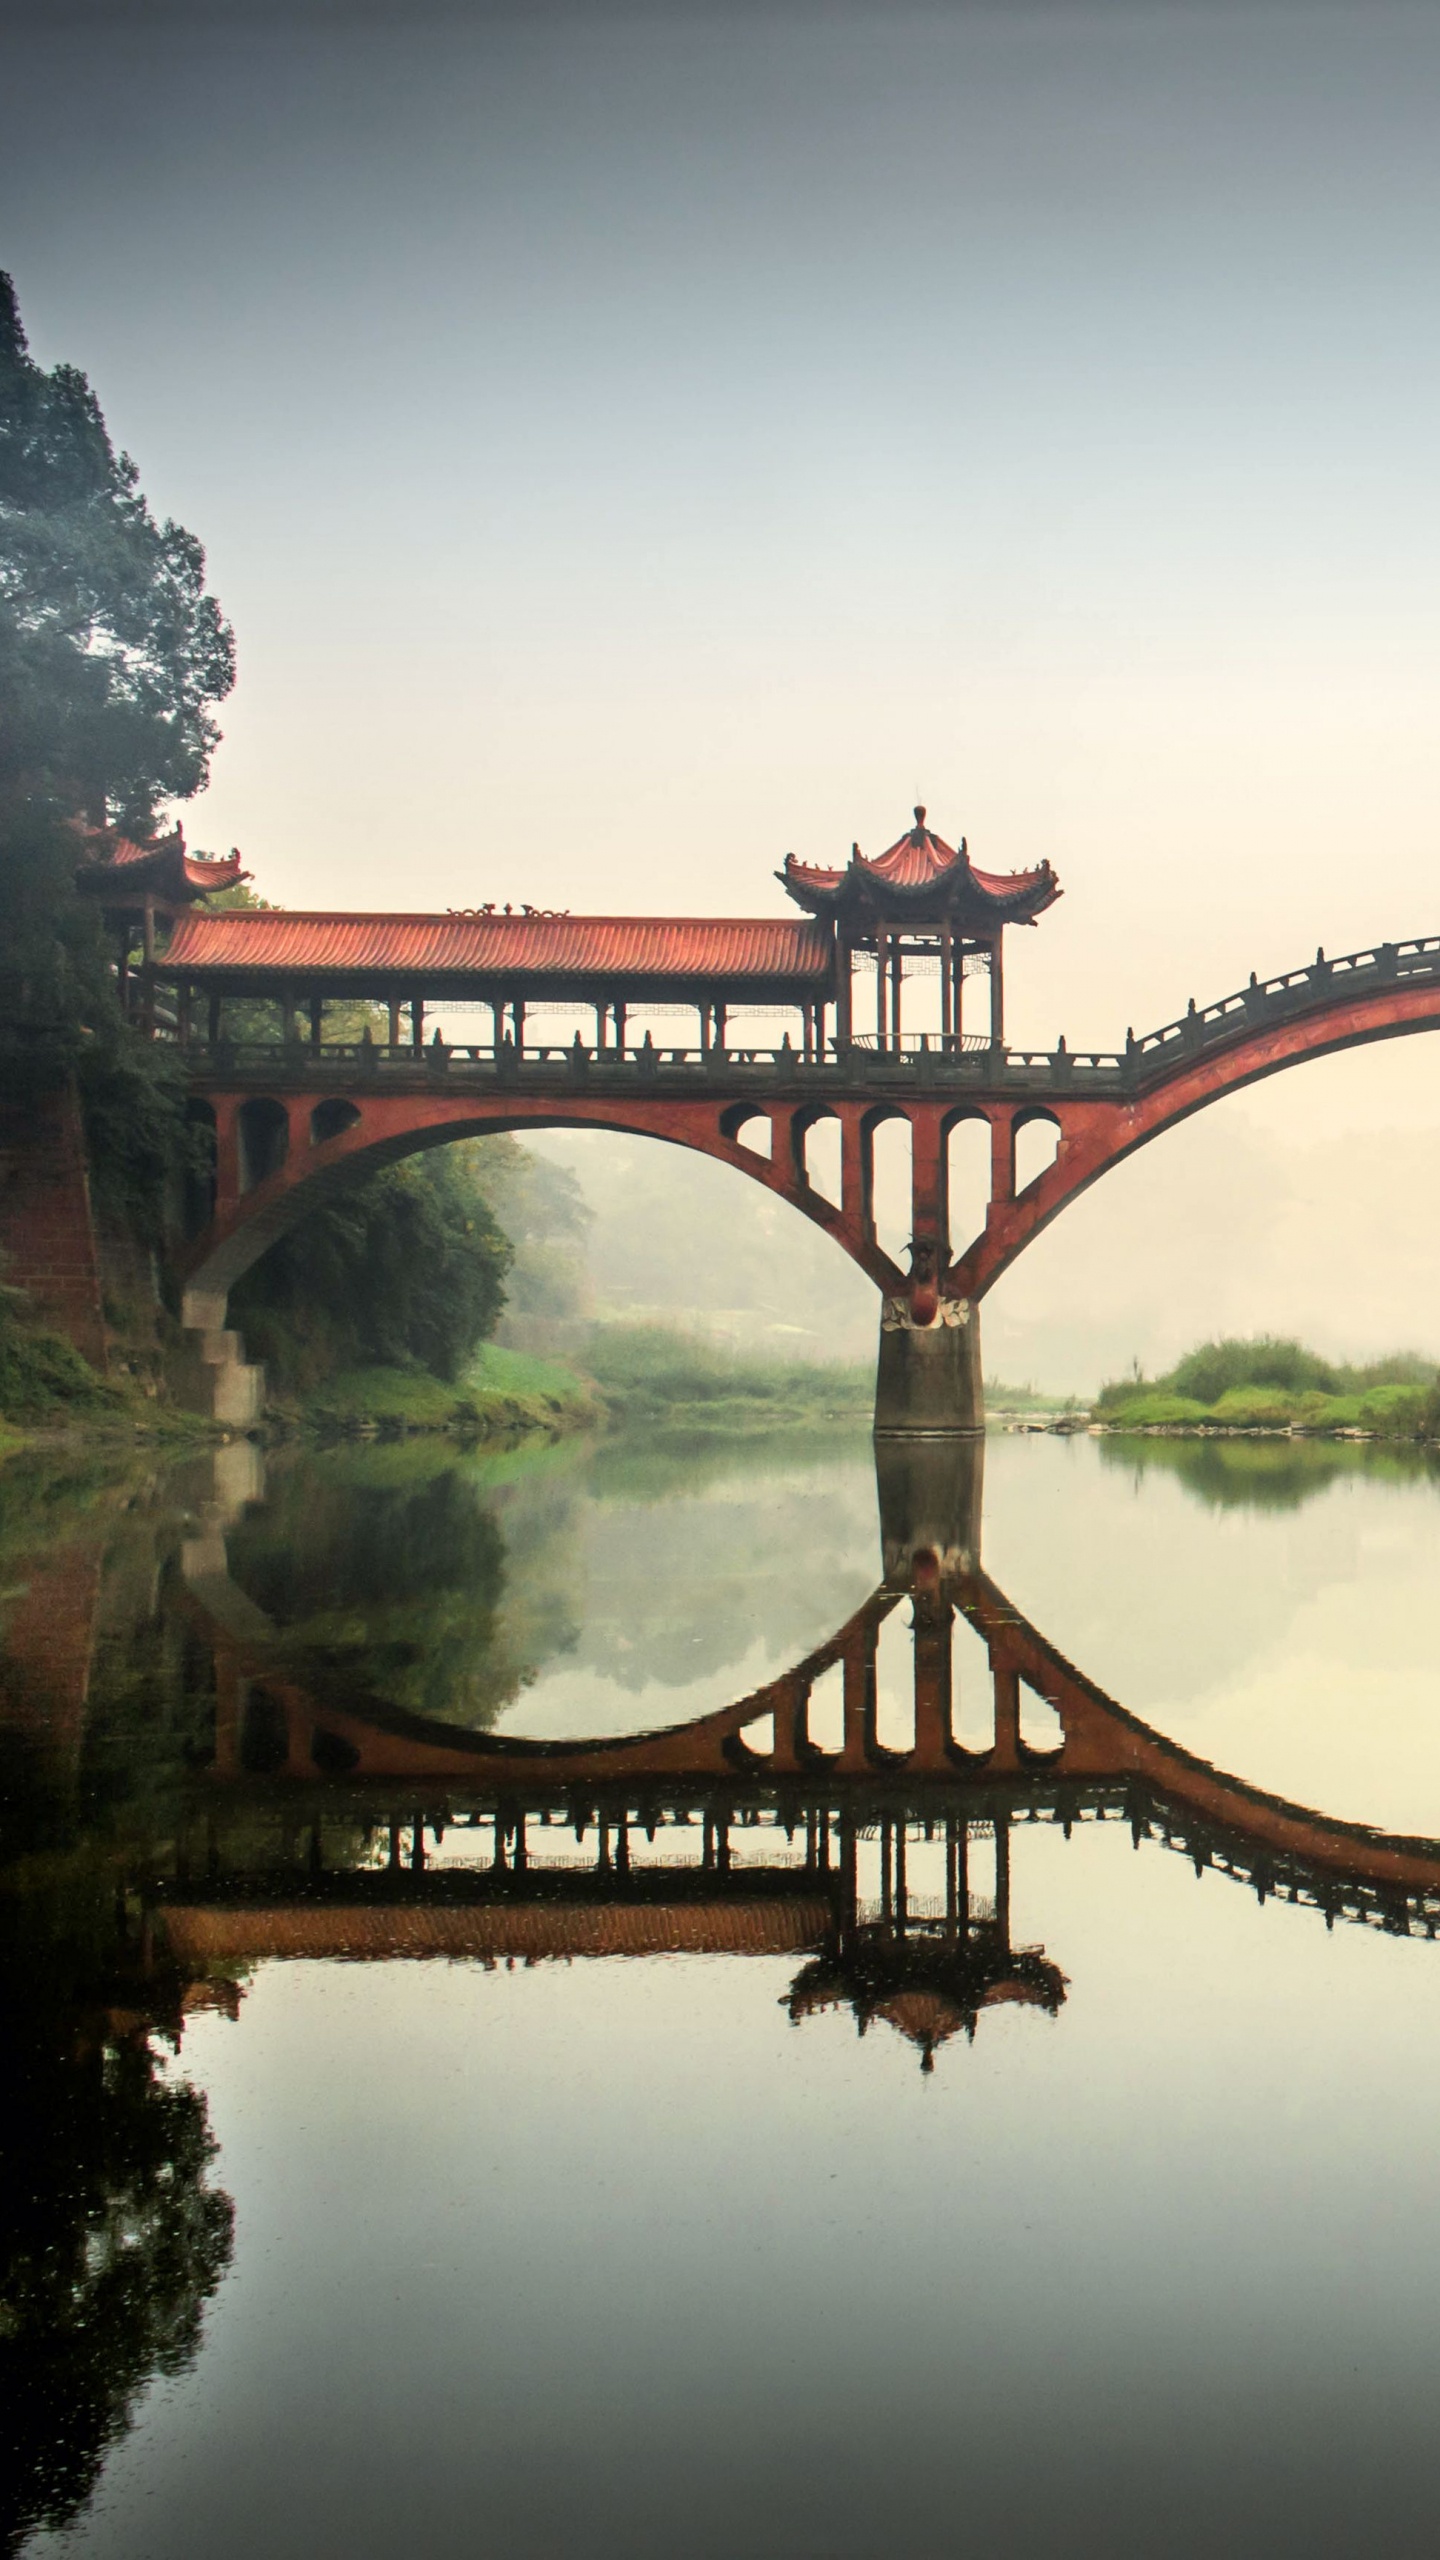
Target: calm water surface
x: 618, y: 2001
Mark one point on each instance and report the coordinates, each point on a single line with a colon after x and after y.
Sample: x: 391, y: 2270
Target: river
x: 643, y: 1997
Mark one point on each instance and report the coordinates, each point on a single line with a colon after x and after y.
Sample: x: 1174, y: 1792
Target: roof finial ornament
x: 919, y: 813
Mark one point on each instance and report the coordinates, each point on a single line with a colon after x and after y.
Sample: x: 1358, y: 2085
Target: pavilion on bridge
x: 920, y: 909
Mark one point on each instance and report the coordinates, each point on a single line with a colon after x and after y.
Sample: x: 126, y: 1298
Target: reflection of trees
x: 415, y: 1577
x: 1254, y: 1474
x: 111, y: 2237
x: 385, y: 1574
x: 114, y: 2241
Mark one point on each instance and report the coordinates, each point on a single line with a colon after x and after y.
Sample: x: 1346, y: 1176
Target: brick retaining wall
x: 47, y: 1233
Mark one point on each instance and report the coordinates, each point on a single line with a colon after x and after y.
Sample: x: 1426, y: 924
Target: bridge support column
x: 929, y: 1375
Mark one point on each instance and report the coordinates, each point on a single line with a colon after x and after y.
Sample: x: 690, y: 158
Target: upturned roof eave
x: 955, y: 895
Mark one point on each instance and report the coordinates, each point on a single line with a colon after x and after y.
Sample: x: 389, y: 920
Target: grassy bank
x: 1273, y: 1384
x: 498, y: 1393
x: 47, y: 1389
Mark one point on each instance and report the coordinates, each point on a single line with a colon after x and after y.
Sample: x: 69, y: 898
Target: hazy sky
x: 633, y: 443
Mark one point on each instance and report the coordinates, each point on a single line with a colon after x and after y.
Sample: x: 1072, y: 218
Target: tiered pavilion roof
x: 921, y: 880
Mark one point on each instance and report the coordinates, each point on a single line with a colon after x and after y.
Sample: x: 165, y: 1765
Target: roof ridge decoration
x: 922, y: 879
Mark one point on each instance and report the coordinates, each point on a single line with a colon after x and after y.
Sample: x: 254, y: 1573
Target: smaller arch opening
x: 332, y: 1753
x: 820, y: 1152
x: 972, y: 1689
x: 759, y: 1736
x: 895, y: 1684
x: 1037, y: 1143
x: 264, y: 1133
x: 825, y: 1711
x: 264, y: 1735
x: 1041, y: 1731
x: 891, y: 1200
x: 968, y: 1180
x: 331, y: 1118
x: 750, y: 1129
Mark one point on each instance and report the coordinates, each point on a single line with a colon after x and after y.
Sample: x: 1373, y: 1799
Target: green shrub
x: 1215, y: 1369
x: 41, y: 1374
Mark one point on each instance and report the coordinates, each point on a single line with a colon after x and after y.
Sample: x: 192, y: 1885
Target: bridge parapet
x: 1267, y: 1000
x: 856, y: 1072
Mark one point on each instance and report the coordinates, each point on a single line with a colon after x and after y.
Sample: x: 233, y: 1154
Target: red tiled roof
x: 704, y: 948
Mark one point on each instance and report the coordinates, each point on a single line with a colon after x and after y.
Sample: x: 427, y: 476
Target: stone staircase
x: 209, y: 1373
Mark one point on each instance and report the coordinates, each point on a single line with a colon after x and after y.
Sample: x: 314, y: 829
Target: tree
x: 112, y: 656
x: 111, y: 651
x: 407, y: 1266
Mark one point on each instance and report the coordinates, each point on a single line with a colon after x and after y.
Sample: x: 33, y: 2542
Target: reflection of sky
x: 610, y: 2258
x: 685, y: 1604
x: 1293, y: 1648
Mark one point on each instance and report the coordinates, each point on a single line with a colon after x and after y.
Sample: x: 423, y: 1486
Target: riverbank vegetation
x: 1271, y: 1383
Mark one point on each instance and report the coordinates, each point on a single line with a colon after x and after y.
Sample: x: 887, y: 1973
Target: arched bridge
x: 807, y: 1047
x: 292, y: 1122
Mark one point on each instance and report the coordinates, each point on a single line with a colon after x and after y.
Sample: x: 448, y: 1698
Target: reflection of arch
x: 1106, y: 1762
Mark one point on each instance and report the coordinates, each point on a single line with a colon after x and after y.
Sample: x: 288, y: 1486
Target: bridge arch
x: 329, y: 1142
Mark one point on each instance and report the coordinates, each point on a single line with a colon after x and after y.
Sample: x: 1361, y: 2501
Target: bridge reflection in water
x: 817, y: 1818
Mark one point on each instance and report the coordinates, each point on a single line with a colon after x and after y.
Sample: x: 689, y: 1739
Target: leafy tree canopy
x: 111, y: 650
x: 112, y: 656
